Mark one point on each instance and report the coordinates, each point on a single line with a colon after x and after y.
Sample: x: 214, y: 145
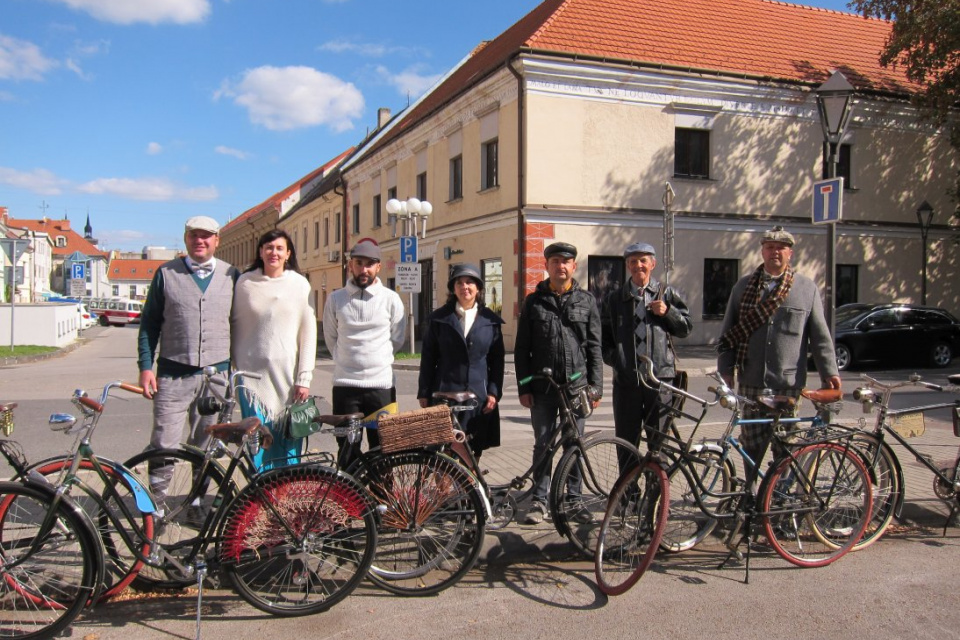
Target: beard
x: 363, y: 281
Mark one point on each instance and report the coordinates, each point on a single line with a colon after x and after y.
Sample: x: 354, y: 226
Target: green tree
x: 925, y: 42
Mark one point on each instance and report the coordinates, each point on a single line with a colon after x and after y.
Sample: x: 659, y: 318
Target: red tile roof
x: 132, y: 269
x: 276, y: 199
x: 760, y: 39
x: 54, y: 228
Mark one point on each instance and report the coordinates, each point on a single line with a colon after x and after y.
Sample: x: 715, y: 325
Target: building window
x: 392, y: 193
x: 492, y: 272
x: 355, y: 217
x: 304, y: 249
x: 719, y: 276
x: 692, y: 154
x: 61, y: 241
x: 326, y: 232
x: 843, y: 164
x: 604, y: 274
x: 133, y: 292
x: 422, y: 186
x: 456, y: 178
x: 336, y: 229
x: 316, y: 234
x: 377, y: 212
x: 116, y: 291
x: 488, y: 164
x: 848, y: 276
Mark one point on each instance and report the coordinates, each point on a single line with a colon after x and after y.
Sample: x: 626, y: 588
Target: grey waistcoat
x: 196, y: 324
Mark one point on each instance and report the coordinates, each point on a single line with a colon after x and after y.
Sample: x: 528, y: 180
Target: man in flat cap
x: 559, y: 328
x: 186, y: 313
x: 363, y: 326
x: 641, y: 318
x: 774, y: 318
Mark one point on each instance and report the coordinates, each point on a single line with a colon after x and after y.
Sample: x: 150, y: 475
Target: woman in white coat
x: 274, y: 333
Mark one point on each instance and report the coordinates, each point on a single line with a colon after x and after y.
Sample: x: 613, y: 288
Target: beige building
x: 570, y: 124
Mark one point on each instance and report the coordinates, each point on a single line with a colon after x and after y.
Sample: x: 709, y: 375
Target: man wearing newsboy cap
x: 559, y: 328
x: 187, y: 316
x: 641, y: 318
x: 774, y: 318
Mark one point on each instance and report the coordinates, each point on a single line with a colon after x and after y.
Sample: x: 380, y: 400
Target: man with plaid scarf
x: 774, y: 319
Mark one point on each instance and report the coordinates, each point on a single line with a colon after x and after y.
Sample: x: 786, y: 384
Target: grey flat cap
x: 639, y: 247
x: 366, y: 249
x: 778, y: 234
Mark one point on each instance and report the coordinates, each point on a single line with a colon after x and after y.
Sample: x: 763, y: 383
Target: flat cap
x: 778, y: 234
x: 366, y: 249
x: 639, y: 247
x: 563, y: 249
x: 202, y: 223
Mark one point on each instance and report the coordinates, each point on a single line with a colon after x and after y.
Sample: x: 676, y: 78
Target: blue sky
x: 143, y: 113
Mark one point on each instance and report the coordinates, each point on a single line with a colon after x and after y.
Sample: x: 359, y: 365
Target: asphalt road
x: 528, y: 586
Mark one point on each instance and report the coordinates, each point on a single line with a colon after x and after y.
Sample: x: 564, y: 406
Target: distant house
x: 130, y: 278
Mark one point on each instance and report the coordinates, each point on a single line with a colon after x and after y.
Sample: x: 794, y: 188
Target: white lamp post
x: 834, y: 101
x: 414, y: 213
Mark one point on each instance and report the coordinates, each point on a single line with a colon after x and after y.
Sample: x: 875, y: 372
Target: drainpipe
x: 521, y: 188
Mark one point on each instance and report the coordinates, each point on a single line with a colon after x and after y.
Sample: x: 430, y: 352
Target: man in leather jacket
x: 640, y: 318
x: 559, y: 328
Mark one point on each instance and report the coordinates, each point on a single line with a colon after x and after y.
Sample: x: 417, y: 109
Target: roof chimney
x: 383, y: 117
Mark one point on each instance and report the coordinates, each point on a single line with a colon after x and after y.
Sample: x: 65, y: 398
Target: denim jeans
x: 544, y: 416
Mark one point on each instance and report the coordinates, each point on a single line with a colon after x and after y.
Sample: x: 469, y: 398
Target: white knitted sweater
x: 274, y: 333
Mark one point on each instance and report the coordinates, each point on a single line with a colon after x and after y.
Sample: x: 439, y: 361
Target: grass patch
x: 405, y: 355
x: 25, y: 350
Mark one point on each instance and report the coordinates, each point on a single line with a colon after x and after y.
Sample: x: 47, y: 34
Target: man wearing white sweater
x: 363, y: 326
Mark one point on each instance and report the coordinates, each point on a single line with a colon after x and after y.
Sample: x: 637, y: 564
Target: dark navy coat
x: 450, y: 361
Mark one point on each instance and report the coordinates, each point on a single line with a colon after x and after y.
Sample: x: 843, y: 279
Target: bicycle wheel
x: 184, y: 488
x: 816, y: 506
x: 887, y: 479
x: 298, y: 540
x: 706, y: 473
x: 432, y: 530
x: 581, y: 487
x: 122, y: 560
x: 48, y: 569
x: 632, y: 527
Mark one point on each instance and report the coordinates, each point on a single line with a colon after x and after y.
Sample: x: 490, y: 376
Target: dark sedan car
x: 895, y: 333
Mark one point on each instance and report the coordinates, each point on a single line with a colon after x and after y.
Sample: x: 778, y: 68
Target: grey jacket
x: 777, y: 352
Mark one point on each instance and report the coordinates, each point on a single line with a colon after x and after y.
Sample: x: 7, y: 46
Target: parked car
x: 84, y: 316
x: 894, y: 333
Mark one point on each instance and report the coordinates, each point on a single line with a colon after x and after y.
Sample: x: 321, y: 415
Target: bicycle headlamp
x: 728, y: 401
x: 866, y: 397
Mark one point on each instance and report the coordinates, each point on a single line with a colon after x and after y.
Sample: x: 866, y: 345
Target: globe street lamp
x: 413, y: 213
x: 834, y: 102
x: 924, y: 219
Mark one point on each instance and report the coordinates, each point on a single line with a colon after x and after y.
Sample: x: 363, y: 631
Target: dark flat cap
x: 639, y: 247
x: 562, y: 249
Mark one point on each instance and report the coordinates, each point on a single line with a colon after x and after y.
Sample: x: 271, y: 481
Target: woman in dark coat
x: 463, y: 351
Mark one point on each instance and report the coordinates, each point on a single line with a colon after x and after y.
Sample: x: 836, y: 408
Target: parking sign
x: 408, y: 249
x: 77, y: 271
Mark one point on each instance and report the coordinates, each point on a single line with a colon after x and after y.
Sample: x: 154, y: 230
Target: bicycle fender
x: 141, y: 494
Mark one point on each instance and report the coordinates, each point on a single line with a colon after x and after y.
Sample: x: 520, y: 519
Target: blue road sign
x: 76, y: 271
x: 827, y: 200
x: 408, y: 248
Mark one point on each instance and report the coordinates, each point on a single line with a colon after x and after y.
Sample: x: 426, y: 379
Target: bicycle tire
x: 432, y: 525
x: 599, y: 469
x: 298, y: 539
x: 886, y: 475
x: 178, y: 526
x: 818, y: 519
x: 122, y: 563
x: 632, y: 527
x: 43, y: 590
x: 688, y: 525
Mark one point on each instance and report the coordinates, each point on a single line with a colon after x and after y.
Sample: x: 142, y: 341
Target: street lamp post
x: 834, y: 102
x: 925, y: 219
x: 412, y: 212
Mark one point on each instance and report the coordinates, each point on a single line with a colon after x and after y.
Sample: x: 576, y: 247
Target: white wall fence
x: 46, y: 325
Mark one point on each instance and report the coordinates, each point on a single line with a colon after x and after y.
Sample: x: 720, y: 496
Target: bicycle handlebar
x: 647, y: 377
x: 913, y: 380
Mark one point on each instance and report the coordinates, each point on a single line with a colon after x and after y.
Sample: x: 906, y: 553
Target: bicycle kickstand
x: 201, y: 574
x: 954, y: 509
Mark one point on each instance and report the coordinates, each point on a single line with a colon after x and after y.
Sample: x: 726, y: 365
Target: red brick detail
x: 539, y: 230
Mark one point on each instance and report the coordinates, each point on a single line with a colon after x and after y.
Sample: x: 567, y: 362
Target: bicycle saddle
x: 778, y: 403
x: 335, y: 420
x: 822, y: 396
x: 455, y: 397
x: 234, y: 432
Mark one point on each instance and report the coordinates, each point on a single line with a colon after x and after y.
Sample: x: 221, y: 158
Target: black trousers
x: 634, y: 408
x: 358, y: 400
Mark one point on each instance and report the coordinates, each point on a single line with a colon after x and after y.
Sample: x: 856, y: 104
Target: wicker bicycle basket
x: 415, y: 429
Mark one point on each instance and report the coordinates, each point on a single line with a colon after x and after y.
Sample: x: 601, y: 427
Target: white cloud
x: 154, y: 148
x: 150, y: 12
x: 285, y: 98
x: 229, y: 151
x: 39, y: 181
x: 409, y: 82
x: 370, y: 49
x: 74, y: 66
x: 153, y: 189
x: 22, y: 60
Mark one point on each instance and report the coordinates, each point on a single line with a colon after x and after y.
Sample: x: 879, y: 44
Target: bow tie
x: 201, y: 269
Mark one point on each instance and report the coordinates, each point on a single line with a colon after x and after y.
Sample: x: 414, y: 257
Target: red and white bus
x: 119, y: 311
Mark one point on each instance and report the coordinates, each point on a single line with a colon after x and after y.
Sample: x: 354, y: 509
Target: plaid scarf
x: 754, y: 312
